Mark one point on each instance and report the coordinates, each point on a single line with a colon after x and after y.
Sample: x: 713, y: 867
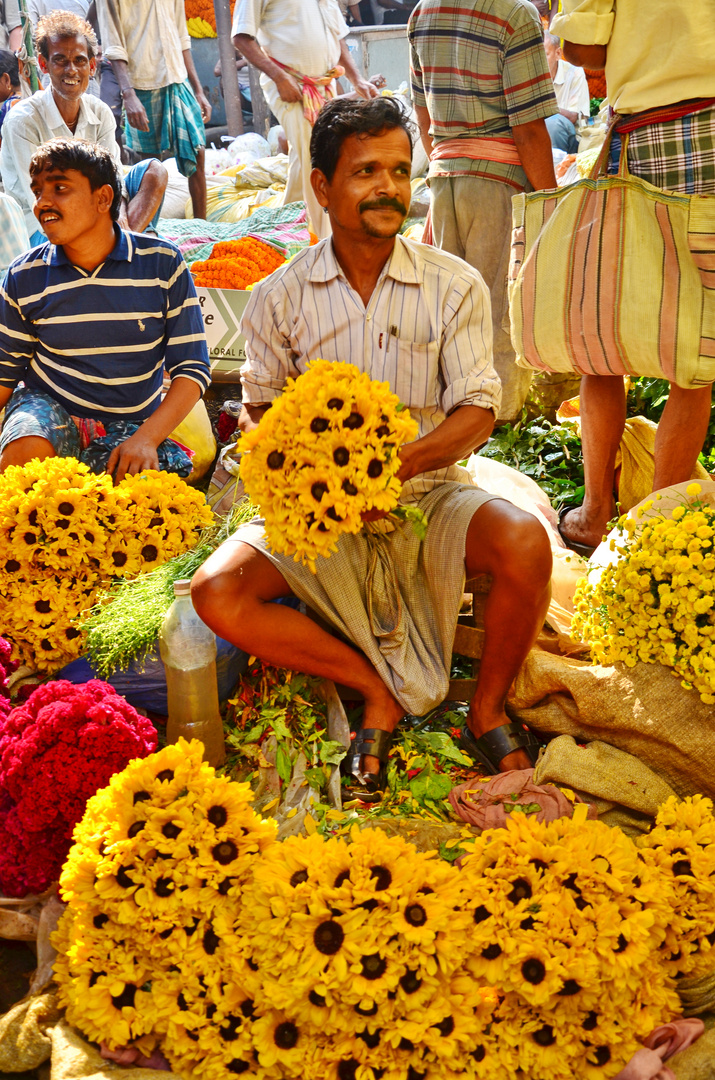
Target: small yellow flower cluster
x: 325, y: 452
x: 550, y: 954
x: 157, y: 855
x: 656, y: 603
x: 681, y: 848
x: 65, y: 532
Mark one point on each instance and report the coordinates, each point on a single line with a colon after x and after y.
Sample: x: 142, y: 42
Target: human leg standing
x: 681, y: 434
x: 512, y: 547
x: 298, y: 131
x: 197, y: 186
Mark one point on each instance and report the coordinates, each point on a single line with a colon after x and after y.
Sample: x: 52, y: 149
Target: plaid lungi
x: 677, y: 155
x: 174, y: 124
x: 395, y: 597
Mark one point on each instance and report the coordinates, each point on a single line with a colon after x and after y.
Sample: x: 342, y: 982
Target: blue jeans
x: 562, y: 134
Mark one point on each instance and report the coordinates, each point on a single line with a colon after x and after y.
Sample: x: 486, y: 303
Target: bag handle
x: 601, y: 164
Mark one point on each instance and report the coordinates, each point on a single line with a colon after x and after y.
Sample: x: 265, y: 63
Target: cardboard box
x: 222, y: 310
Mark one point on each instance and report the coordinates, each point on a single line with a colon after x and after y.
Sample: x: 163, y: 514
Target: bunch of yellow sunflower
x: 657, y: 602
x: 325, y: 452
x: 681, y: 849
x: 65, y: 532
x: 550, y: 954
x: 158, y: 855
x: 567, y: 919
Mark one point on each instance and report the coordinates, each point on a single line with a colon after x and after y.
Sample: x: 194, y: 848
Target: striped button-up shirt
x: 479, y: 68
x: 426, y: 330
x: 98, y: 342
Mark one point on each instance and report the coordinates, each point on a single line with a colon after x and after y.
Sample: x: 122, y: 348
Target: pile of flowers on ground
x: 549, y: 954
x: 323, y: 454
x: 656, y: 603
x: 65, y: 532
x: 236, y: 264
x: 56, y: 749
x: 7, y: 666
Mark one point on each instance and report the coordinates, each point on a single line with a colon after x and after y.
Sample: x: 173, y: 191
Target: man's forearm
x: 534, y: 148
x: 252, y: 51
x: 250, y: 416
x: 5, y: 395
x: 121, y: 70
x: 176, y: 406
x: 423, y: 122
x: 591, y: 57
x: 191, y: 72
x: 572, y: 116
x: 463, y: 431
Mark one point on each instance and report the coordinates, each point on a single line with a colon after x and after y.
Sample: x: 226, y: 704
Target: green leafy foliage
x: 549, y: 453
x: 647, y: 397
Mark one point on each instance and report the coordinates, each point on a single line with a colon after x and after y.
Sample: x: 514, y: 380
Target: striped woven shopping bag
x: 613, y: 276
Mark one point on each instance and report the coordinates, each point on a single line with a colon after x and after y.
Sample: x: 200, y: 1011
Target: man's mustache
x: 378, y: 204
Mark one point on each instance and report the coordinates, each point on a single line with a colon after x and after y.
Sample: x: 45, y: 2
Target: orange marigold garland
x: 236, y: 264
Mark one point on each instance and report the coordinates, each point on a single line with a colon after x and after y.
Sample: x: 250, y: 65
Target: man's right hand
x: 289, y: 88
x: 136, y: 113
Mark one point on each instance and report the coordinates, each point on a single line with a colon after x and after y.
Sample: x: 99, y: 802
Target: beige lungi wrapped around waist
x: 394, y: 596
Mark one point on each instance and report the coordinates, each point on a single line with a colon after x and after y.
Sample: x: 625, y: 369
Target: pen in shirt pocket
x: 392, y: 332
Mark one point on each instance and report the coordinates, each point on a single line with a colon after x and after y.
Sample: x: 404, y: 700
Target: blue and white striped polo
x: 98, y: 342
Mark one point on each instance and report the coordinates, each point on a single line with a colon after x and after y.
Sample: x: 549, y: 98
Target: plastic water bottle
x: 188, y: 649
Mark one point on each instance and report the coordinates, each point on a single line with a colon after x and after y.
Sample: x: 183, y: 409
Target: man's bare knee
x: 156, y: 178
x: 20, y: 451
x: 507, y: 542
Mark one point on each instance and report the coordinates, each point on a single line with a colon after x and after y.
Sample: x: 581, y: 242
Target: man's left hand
x: 132, y: 456
x: 205, y: 107
x: 365, y: 89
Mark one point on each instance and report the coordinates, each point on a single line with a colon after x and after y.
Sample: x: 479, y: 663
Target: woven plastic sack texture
x: 24, y: 1043
x: 642, y: 710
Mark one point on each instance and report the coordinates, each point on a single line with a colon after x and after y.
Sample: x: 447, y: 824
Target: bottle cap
x: 182, y: 587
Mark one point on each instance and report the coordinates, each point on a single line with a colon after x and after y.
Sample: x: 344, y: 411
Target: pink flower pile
x: 56, y: 750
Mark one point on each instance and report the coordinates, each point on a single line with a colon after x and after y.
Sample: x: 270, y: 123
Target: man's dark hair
x: 92, y: 160
x: 342, y: 117
x: 9, y: 66
x: 63, y: 24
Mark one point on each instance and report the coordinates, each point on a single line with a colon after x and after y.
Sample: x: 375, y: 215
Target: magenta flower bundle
x: 56, y: 750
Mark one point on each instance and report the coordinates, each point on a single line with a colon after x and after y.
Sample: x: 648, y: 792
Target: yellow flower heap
x: 64, y: 532
x: 657, y: 602
x: 157, y: 856
x: 550, y: 954
x: 325, y: 452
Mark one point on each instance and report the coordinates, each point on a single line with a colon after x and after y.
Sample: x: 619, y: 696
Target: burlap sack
x: 624, y: 791
x: 642, y: 710
x: 698, y: 1061
x: 24, y: 1039
x: 73, y: 1058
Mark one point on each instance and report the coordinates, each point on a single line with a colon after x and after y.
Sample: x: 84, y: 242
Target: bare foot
x: 576, y: 527
x: 385, y: 714
x: 517, y: 759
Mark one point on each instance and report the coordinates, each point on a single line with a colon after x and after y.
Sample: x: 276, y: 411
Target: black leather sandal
x: 489, y: 749
x: 366, y: 786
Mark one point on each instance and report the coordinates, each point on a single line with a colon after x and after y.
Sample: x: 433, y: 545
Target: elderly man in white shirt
x: 420, y: 319
x: 67, y: 47
x: 572, y: 97
x: 299, y: 46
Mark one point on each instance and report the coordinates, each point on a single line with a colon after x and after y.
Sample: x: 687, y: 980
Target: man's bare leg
x: 681, y: 434
x: 514, y: 548
x: 147, y: 200
x: 603, y: 417
x: 232, y: 592
x: 20, y: 451
x: 197, y: 186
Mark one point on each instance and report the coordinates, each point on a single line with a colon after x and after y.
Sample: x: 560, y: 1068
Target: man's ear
x: 105, y: 198
x: 320, y: 187
x: 43, y: 63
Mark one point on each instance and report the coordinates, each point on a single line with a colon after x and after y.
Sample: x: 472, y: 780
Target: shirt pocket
x: 416, y: 381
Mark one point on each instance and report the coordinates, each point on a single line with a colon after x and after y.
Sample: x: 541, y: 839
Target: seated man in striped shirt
x: 418, y: 318
x: 89, y: 321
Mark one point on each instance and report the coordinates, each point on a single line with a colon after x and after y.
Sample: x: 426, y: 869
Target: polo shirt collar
x: 400, y: 266
x: 121, y: 252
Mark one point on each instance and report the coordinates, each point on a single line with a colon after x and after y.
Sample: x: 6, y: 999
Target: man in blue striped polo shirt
x: 89, y: 322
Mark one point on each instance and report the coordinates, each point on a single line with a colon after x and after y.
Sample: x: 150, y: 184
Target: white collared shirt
x: 303, y: 34
x: 150, y: 35
x: 571, y: 89
x: 426, y: 330
x: 33, y: 122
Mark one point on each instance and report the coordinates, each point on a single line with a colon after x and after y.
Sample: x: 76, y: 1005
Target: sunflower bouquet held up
x: 323, y: 454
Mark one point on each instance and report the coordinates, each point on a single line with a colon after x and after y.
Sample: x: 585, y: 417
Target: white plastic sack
x: 177, y: 191
x: 248, y: 147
